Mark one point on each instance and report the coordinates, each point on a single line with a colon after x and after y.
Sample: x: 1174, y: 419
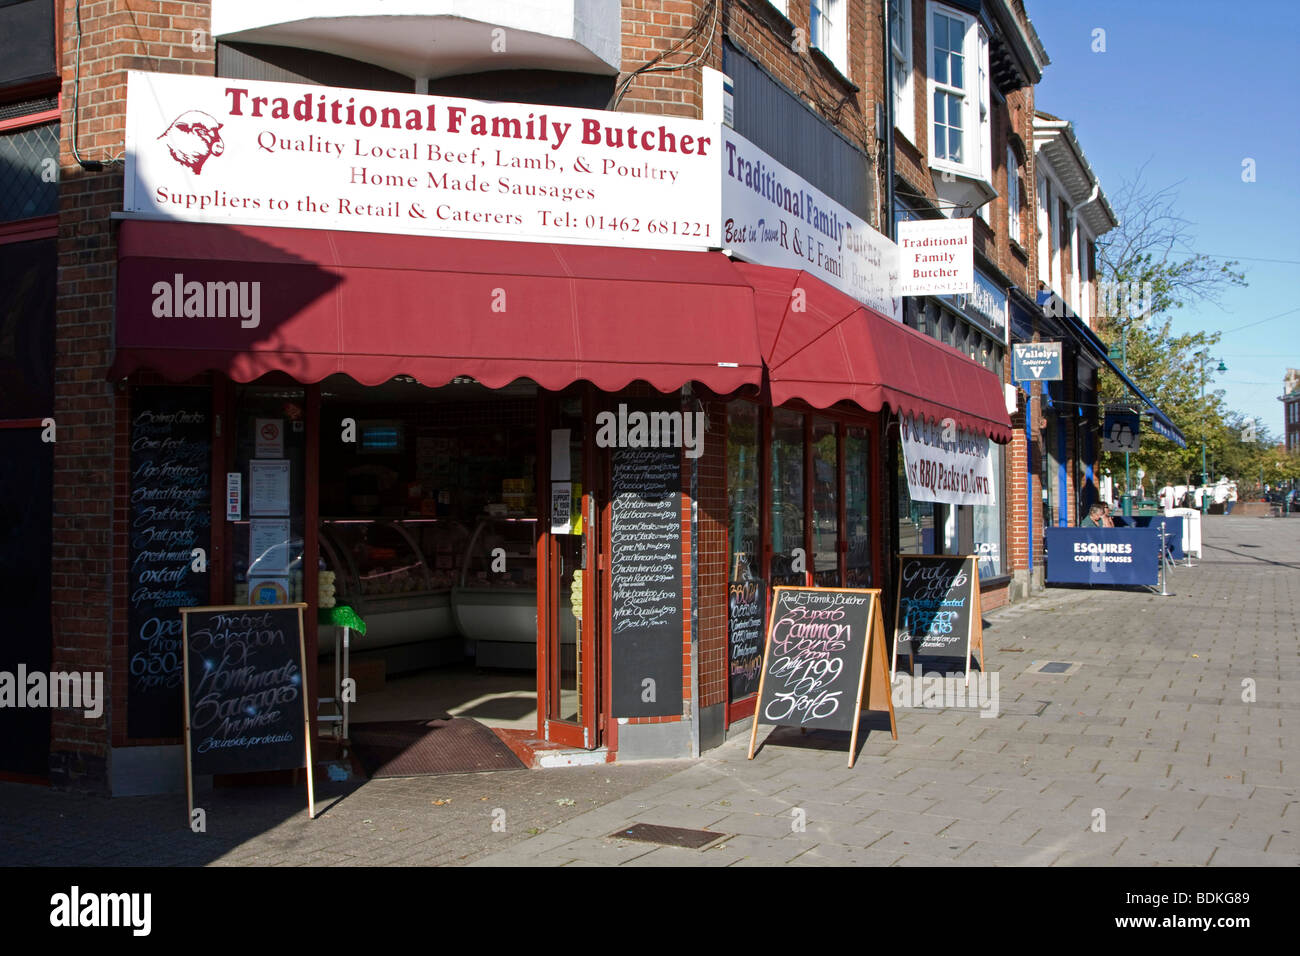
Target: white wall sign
x: 953, y: 469
x: 773, y: 217
x: 206, y: 149
x: 936, y: 256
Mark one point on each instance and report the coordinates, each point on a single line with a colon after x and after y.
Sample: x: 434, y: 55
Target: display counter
x: 383, y: 568
x: 432, y: 591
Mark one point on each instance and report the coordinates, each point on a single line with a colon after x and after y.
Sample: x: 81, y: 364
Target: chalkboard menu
x: 744, y: 637
x: 815, y: 657
x: 244, y: 674
x: 170, y: 516
x: 646, y: 571
x: 938, y: 602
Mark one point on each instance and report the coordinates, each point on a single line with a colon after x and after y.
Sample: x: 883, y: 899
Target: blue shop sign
x: 985, y: 307
x: 1103, y: 557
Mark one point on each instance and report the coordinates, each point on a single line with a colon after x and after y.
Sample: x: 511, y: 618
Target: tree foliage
x: 1145, y: 271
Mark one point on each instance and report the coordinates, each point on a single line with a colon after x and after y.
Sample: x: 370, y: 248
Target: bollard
x: 1164, y: 561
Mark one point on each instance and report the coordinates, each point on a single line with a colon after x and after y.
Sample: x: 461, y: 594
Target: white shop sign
x: 773, y: 217
x: 936, y: 256
x: 205, y: 149
x: 948, y: 466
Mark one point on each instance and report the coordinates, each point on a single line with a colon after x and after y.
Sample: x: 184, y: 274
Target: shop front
x: 554, y: 481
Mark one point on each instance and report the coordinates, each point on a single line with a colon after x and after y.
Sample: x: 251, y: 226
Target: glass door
x: 569, y: 609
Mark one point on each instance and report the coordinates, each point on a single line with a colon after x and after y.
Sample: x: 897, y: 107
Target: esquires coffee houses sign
x: 167, y: 547
x: 218, y: 150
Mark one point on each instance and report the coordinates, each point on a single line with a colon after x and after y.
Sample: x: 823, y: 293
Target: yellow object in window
x: 575, y: 509
x: 575, y: 594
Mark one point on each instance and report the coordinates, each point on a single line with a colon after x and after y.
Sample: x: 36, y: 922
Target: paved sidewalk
x: 1145, y: 754
x: 1150, y: 729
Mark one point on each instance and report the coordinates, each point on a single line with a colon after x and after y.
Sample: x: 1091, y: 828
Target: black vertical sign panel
x: 170, y: 516
x: 744, y: 638
x: 646, y: 566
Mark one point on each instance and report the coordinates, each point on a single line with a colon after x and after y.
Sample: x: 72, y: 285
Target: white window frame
x: 830, y: 35
x: 976, y: 96
x: 900, y: 63
x: 1013, y: 196
x: 1044, y: 199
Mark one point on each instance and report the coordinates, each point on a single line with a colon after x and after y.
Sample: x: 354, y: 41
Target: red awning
x: 375, y: 306
x: 824, y: 347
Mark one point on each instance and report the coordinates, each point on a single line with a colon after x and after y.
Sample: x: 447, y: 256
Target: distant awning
x: 823, y: 347
x: 376, y: 306
x: 1161, y: 423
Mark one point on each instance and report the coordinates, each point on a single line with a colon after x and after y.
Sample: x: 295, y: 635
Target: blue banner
x: 1173, y: 528
x: 1105, y: 557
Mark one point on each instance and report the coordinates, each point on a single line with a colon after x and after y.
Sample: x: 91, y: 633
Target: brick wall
x: 89, y: 458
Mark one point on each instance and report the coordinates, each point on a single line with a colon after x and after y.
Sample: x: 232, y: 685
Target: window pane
x: 857, y: 508
x: 954, y: 145
x: 940, y: 49
x: 825, y: 465
x: 26, y: 189
x: 915, y: 518
x: 787, y: 495
x: 956, y: 76
x: 988, y: 525
x: 743, y: 490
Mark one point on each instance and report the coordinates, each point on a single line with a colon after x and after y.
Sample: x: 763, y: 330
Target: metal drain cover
x: 1054, y: 668
x: 667, y: 836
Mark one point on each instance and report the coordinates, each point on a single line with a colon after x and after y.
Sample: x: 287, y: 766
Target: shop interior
x: 428, y: 530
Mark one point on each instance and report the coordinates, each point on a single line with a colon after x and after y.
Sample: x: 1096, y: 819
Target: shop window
x: 789, y: 559
x: 743, y: 492
x: 916, y: 519
x: 988, y: 525
x: 270, y: 455
x: 826, y: 513
x: 29, y: 183
x: 857, y: 507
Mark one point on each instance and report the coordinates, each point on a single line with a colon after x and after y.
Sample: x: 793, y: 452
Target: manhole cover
x: 1053, y: 668
x: 667, y: 836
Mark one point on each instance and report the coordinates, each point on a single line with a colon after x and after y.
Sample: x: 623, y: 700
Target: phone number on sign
x: 655, y: 227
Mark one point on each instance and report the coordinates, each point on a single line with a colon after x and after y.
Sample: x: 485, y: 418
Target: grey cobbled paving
x: 1151, y: 752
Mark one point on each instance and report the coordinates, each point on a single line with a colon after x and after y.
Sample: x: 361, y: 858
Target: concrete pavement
x: 1170, y: 738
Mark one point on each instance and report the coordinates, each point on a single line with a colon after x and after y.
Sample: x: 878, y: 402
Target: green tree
x: 1144, y: 272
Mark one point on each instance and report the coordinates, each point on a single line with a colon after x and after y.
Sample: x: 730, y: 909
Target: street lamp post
x: 1205, y: 475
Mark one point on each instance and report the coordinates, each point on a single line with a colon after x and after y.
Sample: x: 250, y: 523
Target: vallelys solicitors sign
x: 220, y: 150
x: 946, y: 465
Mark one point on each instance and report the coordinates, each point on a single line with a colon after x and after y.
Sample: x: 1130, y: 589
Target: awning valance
x: 823, y: 347
x: 375, y: 306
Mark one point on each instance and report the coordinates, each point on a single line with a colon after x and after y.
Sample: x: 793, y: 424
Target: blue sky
x: 1191, y: 89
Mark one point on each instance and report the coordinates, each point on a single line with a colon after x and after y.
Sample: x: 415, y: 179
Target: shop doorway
x: 438, y: 522
x: 574, y: 601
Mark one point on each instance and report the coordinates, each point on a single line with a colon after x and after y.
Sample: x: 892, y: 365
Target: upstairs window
x: 960, y: 105
x: 900, y: 66
x: 828, y: 31
x: 1013, y: 196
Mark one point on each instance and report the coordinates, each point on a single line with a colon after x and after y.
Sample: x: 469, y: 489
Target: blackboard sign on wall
x: 646, y: 572
x: 170, y: 516
x: 246, y: 708
x: 744, y: 637
x: 938, y: 611
x: 821, y: 645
